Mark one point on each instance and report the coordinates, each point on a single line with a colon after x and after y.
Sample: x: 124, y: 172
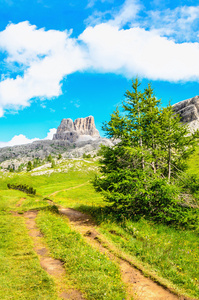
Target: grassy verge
x: 21, y: 275
x: 91, y: 272
x: 173, y: 254
x: 78, y: 196
x: 74, y: 173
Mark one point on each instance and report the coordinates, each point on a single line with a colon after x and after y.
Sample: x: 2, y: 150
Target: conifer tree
x: 139, y: 171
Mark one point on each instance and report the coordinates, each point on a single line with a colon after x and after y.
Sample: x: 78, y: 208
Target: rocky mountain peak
x: 189, y: 112
x: 80, y: 129
x: 67, y: 124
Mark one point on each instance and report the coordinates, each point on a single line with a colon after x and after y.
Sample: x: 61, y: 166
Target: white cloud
x: 136, y: 51
x: 118, y: 15
x: 127, y: 13
x: 1, y: 112
x: 179, y: 23
x: 91, y: 3
x: 22, y: 139
x: 50, y: 134
x: 46, y: 56
x: 17, y: 140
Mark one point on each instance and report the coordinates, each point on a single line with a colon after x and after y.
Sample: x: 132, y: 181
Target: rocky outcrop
x: 37, y: 149
x: 72, y: 140
x: 16, y: 155
x: 189, y: 112
x: 80, y: 129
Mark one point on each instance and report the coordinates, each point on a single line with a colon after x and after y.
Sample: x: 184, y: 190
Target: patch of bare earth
x: 138, y: 286
x: 19, y: 203
x: 53, y: 267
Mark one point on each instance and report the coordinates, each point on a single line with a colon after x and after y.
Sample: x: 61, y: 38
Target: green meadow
x: 167, y: 254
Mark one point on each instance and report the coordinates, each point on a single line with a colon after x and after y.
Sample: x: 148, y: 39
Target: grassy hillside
x: 167, y: 254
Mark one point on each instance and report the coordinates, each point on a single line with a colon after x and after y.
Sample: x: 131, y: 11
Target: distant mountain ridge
x: 73, y: 139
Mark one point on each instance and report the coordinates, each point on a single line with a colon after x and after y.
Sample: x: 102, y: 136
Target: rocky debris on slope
x: 37, y: 149
x: 189, y: 112
x: 81, y: 129
x: 14, y: 156
x: 88, y: 147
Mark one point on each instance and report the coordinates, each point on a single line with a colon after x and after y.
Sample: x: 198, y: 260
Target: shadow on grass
x: 110, y: 214
x: 102, y: 214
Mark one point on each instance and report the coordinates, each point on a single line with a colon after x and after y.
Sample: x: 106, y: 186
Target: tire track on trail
x: 53, y: 267
x: 139, y: 287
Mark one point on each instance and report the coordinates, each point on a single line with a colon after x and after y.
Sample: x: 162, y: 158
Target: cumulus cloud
x: 136, y: 51
x: 22, y: 139
x: 1, y: 112
x: 45, y: 56
x: 50, y: 134
x: 18, y: 140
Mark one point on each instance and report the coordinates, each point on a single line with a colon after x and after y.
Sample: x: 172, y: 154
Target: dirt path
x: 70, y: 188
x: 138, y: 286
x: 19, y: 203
x: 52, y: 266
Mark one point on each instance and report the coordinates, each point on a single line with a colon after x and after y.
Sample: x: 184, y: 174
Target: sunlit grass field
x: 90, y: 271
x: 22, y: 277
x: 172, y: 254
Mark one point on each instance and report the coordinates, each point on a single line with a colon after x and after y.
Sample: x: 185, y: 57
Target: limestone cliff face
x: 189, y: 112
x: 82, y: 128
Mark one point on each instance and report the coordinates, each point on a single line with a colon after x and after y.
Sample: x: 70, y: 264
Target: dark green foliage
x: 59, y: 156
x: 29, y: 166
x: 20, y: 168
x: 23, y: 188
x: 49, y: 158
x: 86, y: 155
x: 142, y: 172
x: 36, y: 162
x: 52, y: 163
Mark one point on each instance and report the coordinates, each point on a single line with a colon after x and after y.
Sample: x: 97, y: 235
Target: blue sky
x: 70, y: 59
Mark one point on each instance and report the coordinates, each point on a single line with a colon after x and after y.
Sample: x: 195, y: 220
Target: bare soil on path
x: 19, y: 203
x: 139, y: 287
x: 53, y: 267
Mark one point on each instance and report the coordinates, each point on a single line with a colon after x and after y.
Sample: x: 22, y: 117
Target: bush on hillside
x: 22, y: 187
